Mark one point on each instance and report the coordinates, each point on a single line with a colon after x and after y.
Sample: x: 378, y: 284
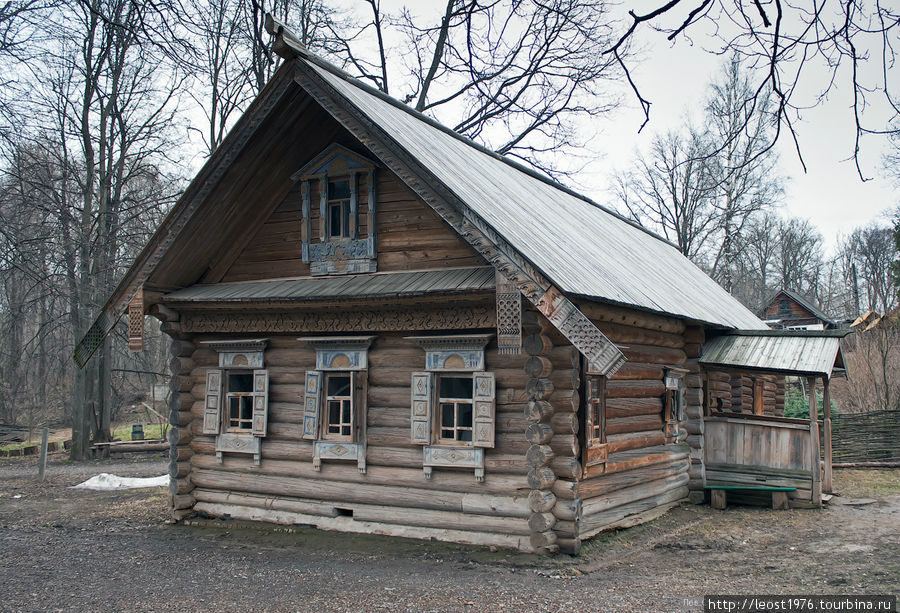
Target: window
x: 334, y: 410
x: 784, y: 308
x: 455, y: 401
x: 452, y: 404
x: 337, y: 188
x: 239, y: 400
x: 674, y: 402
x: 236, y: 402
x: 595, y: 448
x: 338, y: 425
x: 339, y: 209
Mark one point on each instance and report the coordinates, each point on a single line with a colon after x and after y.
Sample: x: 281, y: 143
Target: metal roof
x: 381, y: 285
x: 585, y: 249
x: 784, y: 351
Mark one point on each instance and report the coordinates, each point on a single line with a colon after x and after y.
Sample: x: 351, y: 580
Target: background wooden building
x: 382, y: 327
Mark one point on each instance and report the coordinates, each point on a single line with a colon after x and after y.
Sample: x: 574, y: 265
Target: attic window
x: 784, y: 308
x: 338, y: 236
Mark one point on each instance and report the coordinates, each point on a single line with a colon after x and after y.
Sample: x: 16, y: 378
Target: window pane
x: 346, y: 217
x: 240, y: 382
x: 334, y: 412
x: 345, y: 431
x: 339, y: 385
x: 334, y: 223
x: 447, y: 416
x: 464, y: 415
x: 465, y: 436
x: 234, y: 408
x: 246, y: 407
x: 339, y: 190
x: 595, y: 414
x: 456, y: 387
x: 447, y: 434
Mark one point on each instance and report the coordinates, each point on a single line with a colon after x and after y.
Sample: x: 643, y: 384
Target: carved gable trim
x: 453, y: 353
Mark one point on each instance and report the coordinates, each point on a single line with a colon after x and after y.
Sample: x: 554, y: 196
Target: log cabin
x: 789, y: 310
x: 379, y: 326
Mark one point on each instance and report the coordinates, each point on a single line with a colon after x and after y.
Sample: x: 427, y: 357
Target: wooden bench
x: 718, y: 494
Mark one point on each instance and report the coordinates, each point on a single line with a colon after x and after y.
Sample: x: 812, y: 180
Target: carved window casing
x: 674, y: 401
x: 236, y: 406
x: 338, y: 230
x: 334, y: 410
x: 453, y: 403
x: 595, y: 448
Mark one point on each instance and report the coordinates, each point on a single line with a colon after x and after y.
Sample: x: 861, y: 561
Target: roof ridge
x: 288, y: 46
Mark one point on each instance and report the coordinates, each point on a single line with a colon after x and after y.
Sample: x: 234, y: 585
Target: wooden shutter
x: 311, y: 404
x: 595, y: 449
x: 360, y: 381
x: 420, y: 407
x: 260, y: 402
x: 212, y: 408
x: 483, y: 397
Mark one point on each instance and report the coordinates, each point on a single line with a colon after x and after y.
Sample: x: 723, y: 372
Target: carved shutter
x: 360, y: 381
x: 483, y: 396
x: 260, y: 402
x: 311, y: 404
x: 420, y: 403
x: 212, y: 408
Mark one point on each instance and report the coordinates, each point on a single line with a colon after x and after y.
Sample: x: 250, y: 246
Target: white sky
x: 674, y: 79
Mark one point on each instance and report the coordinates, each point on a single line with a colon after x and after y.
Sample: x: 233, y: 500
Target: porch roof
x: 791, y: 352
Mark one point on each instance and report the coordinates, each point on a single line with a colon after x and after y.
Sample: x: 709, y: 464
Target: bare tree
x: 743, y: 167
x: 871, y: 251
x: 799, y: 256
x: 672, y: 191
x: 789, y: 47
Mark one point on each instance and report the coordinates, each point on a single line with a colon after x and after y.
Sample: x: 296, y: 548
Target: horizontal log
x: 564, y: 423
x: 611, y: 482
x: 538, y: 411
x: 538, y: 389
x: 598, y: 507
x: 180, y: 486
x: 539, y: 455
x: 539, y: 434
x: 507, y: 503
x: 564, y: 489
x: 626, y: 335
x: 634, y: 370
x: 694, y: 334
x: 541, y: 522
x: 537, y: 344
x: 347, y: 524
x: 566, y: 467
x: 639, y: 423
x: 654, y: 355
x: 182, y: 501
x: 569, y: 510
x: 570, y: 546
x: 541, y: 478
x: 631, y: 407
x: 630, y: 317
x: 538, y: 366
x: 634, y: 440
x: 544, y: 542
x: 635, y: 389
x: 541, y: 501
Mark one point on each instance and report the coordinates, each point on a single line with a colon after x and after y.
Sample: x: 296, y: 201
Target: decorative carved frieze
x: 448, y: 318
x: 453, y: 353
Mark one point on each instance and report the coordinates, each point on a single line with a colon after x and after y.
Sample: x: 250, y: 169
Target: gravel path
x: 73, y: 550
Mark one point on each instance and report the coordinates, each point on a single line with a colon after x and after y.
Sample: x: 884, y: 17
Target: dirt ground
x: 75, y: 550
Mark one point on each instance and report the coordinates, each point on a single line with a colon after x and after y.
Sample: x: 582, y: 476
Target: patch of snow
x: 106, y: 481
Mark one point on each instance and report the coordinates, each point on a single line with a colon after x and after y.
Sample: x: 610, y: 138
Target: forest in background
x: 106, y: 103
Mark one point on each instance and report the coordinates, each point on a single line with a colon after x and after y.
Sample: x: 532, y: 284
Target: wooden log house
x: 379, y: 326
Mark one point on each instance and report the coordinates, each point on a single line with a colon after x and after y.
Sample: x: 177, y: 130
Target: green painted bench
x: 718, y: 494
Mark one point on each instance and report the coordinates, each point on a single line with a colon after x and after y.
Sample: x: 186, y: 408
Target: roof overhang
x: 789, y: 352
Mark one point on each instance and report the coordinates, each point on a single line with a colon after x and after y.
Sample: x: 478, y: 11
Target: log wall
x: 393, y: 497
x: 643, y: 476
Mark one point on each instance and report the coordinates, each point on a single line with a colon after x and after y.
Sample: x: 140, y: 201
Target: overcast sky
x: 674, y: 79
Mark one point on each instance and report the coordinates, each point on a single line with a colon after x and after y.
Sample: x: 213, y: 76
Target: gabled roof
x: 806, y: 304
x: 797, y: 352
x: 581, y: 247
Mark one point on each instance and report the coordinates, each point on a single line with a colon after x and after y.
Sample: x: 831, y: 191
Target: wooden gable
x: 410, y: 236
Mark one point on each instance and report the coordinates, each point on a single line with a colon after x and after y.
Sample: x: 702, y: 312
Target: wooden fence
x: 866, y: 437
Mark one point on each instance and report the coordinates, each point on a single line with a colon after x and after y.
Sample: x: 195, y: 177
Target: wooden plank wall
x: 643, y: 477
x: 747, y: 451
x: 411, y: 236
x: 393, y: 497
